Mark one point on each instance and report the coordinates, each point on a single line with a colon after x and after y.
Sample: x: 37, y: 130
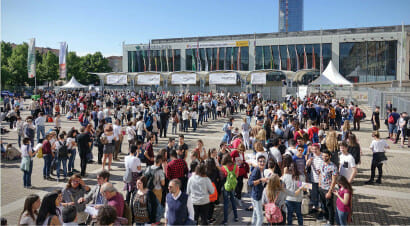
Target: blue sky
x: 102, y: 25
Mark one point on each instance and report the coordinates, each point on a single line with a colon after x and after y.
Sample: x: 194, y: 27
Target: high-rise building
x: 290, y: 15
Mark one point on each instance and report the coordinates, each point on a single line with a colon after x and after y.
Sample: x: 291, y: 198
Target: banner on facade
x: 62, y: 59
x: 258, y: 78
x: 218, y: 44
x: 302, y: 92
x: 31, y: 59
x: 151, y: 79
x: 222, y: 78
x: 184, y: 79
x: 117, y: 79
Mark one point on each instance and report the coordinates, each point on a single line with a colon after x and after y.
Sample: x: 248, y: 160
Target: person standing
x: 177, y: 169
x: 229, y: 172
x: 376, y: 118
x: 315, y: 161
x: 257, y: 182
x: 108, y: 139
x: 293, y: 203
x: 199, y: 188
x: 84, y: 144
x: 40, y: 121
x: 344, y: 200
x: 71, y: 144
x: 179, y: 209
x: 133, y: 166
x: 378, y: 147
x: 118, y: 138
x: 62, y: 151
x: 27, y: 162
x: 164, y: 119
x: 48, y: 156
x: 327, y: 181
x: 347, y: 166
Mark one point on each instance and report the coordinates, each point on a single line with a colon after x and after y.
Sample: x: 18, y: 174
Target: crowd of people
x: 304, y: 156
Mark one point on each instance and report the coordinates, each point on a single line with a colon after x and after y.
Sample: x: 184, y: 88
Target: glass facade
x: 290, y: 15
x: 368, y: 61
x: 212, y: 59
x: 292, y: 57
x: 154, y: 60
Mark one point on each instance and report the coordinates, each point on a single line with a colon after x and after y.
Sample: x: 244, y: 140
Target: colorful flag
x: 280, y: 59
x: 304, y: 58
x: 149, y: 55
x: 155, y: 61
x: 62, y: 59
x: 263, y: 58
x: 173, y: 60
x: 297, y: 59
x: 271, y: 57
x: 143, y: 59
x: 206, y: 60
x: 239, y: 59
x: 31, y: 58
x: 225, y: 59
x: 217, y: 59
x: 193, y: 60
x: 289, y: 66
x: 313, y: 58
x: 254, y: 49
x: 166, y: 57
x: 212, y: 59
x: 232, y: 63
x: 160, y: 59
x: 198, y: 57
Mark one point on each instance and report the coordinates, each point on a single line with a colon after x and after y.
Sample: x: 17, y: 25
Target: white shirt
x: 130, y: 132
x: 315, y: 166
x: 98, y: 102
x: 194, y: 115
x: 185, y: 115
x: 140, y: 127
x: 347, y: 164
x: 40, y: 121
x: 276, y: 154
x: 132, y: 162
x: 106, y: 112
x: 378, y: 146
x: 117, y: 131
x: 70, y: 141
x: 25, y: 150
x: 189, y: 205
x: 100, y: 115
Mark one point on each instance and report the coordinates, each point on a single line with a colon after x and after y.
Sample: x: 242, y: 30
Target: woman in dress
x: 108, y: 139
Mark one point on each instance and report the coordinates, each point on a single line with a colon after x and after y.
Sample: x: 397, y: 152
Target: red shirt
x: 312, y: 130
x: 230, y: 168
x: 177, y: 168
x: 298, y: 133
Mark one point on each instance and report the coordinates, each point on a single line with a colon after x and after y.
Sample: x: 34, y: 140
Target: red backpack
x: 81, y: 118
x: 273, y: 213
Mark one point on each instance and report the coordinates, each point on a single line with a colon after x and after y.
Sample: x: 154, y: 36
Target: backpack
x: 150, y: 175
x: 225, y: 127
x: 62, y: 151
x: 214, y: 196
x: 81, y: 118
x: 141, y: 155
x: 391, y: 119
x: 273, y: 213
x: 231, y: 180
x: 287, y: 134
x: 148, y: 123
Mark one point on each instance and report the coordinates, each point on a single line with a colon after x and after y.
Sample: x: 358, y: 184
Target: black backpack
x: 150, y: 175
x: 62, y: 151
x: 288, y: 133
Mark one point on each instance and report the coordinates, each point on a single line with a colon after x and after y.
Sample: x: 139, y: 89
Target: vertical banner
x: 31, y: 59
x: 62, y: 60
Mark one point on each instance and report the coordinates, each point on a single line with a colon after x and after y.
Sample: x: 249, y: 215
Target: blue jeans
x: 64, y: 162
x: 314, y: 196
x: 226, y: 204
x: 294, y: 207
x: 174, y: 128
x: 194, y: 124
x: 248, y: 119
x: 19, y: 140
x: 27, y: 175
x: 257, y: 215
x: 40, y: 129
x: 341, y: 217
x: 186, y: 125
x: 47, y: 165
x: 71, y: 160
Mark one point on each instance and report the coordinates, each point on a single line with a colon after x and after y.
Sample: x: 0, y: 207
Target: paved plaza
x: 387, y: 203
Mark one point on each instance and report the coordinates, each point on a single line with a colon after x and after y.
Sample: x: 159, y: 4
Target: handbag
x: 40, y: 153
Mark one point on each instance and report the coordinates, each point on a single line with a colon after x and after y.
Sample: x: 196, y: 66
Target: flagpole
x: 321, y: 57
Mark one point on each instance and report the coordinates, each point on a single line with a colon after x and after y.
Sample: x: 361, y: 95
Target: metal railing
x: 398, y: 96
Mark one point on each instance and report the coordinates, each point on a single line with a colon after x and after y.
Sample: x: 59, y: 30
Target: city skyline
x: 104, y: 25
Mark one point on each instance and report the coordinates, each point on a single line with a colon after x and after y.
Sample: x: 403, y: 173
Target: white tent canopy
x: 73, y: 84
x: 331, y: 77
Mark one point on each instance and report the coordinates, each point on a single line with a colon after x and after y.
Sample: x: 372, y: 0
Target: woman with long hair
x: 293, y: 203
x: 108, y: 139
x: 333, y: 147
x: 213, y: 173
x: 354, y: 148
x: 345, y: 130
x: 71, y: 145
x: 202, y: 155
x: 49, y: 213
x: 30, y: 211
x: 144, y: 203
x: 245, y: 132
x: 238, y: 156
x: 73, y: 194
x: 274, y: 192
x: 344, y: 200
x: 228, y: 165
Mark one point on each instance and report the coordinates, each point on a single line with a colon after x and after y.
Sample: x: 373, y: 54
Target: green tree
x: 47, y: 70
x: 6, y: 51
x: 17, y: 66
